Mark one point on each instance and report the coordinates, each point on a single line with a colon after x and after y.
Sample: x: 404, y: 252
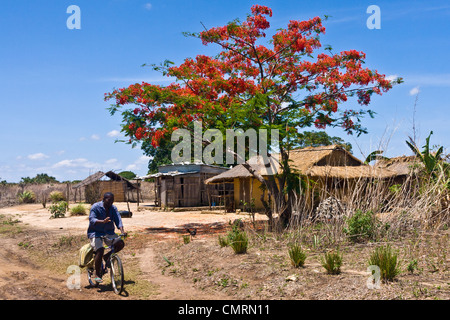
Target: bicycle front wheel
x: 117, y: 274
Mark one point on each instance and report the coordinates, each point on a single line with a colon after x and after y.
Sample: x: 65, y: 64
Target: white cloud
x: 95, y: 137
x: 148, y: 6
x: 139, y: 164
x: 37, y: 156
x: 414, y: 91
x: 114, y: 133
x: 76, y: 163
x: 111, y: 161
x: 392, y: 77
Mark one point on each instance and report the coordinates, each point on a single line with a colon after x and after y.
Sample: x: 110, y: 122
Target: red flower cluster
x: 249, y: 84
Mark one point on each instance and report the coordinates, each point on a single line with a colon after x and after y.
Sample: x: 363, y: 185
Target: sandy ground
x: 20, y: 279
x: 38, y: 217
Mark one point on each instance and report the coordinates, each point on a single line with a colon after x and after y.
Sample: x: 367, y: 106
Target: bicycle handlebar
x: 122, y: 235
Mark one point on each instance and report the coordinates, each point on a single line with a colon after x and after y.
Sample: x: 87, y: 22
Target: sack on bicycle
x: 86, y: 257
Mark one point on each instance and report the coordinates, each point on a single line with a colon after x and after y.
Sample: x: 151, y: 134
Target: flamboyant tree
x: 287, y: 84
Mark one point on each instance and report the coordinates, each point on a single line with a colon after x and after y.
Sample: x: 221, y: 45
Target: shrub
x: 332, y: 262
x: 56, y: 196
x: 240, y: 242
x: 186, y: 239
x: 78, y: 210
x: 412, y: 266
x: 297, y: 256
x: 58, y: 210
x: 27, y: 197
x: 223, y: 241
x: 361, y: 226
x: 386, y: 259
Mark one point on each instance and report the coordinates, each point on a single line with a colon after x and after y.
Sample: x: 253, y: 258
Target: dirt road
x: 21, y: 279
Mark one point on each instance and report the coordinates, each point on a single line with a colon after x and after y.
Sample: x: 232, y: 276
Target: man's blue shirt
x: 98, y: 212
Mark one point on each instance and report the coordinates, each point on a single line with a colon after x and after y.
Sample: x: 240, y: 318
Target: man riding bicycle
x: 102, y: 218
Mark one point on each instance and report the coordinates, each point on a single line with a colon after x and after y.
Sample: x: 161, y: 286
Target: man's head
x: 108, y: 199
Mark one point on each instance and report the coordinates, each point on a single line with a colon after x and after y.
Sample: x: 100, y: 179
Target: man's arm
x: 118, y: 220
x: 94, y: 220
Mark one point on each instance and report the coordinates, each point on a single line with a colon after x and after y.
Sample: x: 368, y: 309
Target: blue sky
x: 53, y: 79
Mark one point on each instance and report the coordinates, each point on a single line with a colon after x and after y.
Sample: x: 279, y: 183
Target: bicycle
x: 115, y: 266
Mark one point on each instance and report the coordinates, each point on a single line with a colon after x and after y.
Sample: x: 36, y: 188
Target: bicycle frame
x: 112, y: 263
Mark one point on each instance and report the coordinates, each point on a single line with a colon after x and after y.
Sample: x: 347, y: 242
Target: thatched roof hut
x: 324, y: 161
x: 95, y: 187
x: 402, y: 166
x: 331, y: 167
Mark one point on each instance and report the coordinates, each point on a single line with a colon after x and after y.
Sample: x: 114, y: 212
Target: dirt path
x: 23, y: 280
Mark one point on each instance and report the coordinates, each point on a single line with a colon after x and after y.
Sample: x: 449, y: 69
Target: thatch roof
x: 257, y: 163
x: 404, y: 165
x: 324, y: 161
x: 98, y: 175
x: 350, y: 172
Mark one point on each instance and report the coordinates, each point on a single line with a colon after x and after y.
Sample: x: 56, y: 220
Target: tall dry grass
x: 418, y: 202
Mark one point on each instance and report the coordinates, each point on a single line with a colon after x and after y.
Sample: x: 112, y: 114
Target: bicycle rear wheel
x: 117, y: 274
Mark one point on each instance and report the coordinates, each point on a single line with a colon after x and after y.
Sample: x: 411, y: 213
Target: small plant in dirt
x: 186, y: 239
x: 332, y: 262
x: 58, y: 210
x: 412, y: 266
x: 240, y: 242
x: 297, y: 255
x: 78, y: 210
x: 56, y: 196
x: 361, y: 226
x: 223, y: 241
x: 26, y: 197
x: 237, y: 238
x: 387, y: 260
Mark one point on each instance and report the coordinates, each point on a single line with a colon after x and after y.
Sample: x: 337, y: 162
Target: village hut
x: 183, y: 185
x: 330, y: 168
x: 404, y: 166
x: 95, y: 186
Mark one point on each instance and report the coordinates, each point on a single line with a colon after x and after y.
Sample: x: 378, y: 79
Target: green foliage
x: 27, y: 197
x: 395, y: 188
x: 237, y: 238
x: 297, y: 255
x: 56, y: 196
x: 332, y: 262
x: 223, y: 241
x: 361, y: 226
x: 412, y: 266
x: 320, y: 138
x: 40, y: 178
x: 375, y: 155
x: 240, y: 242
x: 387, y: 260
x: 186, y: 239
x: 78, y: 210
x: 58, y: 210
x: 431, y: 160
x: 129, y: 175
